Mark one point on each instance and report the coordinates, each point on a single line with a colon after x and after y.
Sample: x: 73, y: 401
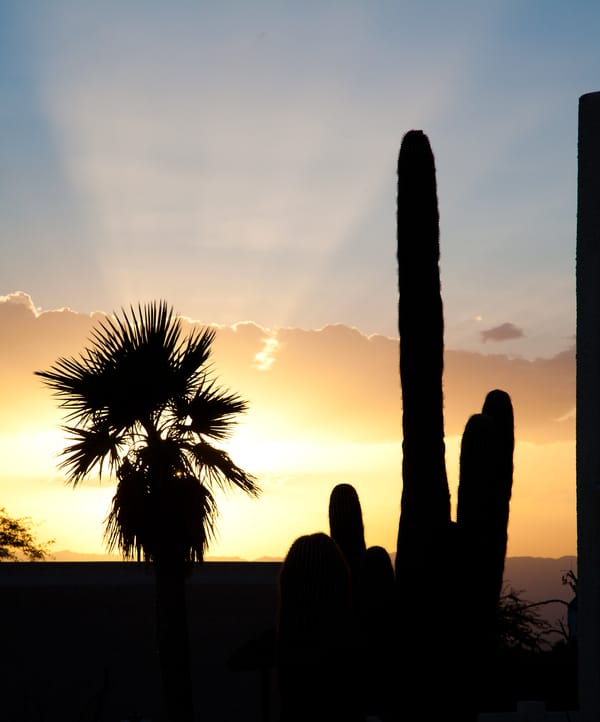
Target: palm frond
x: 131, y: 371
x: 174, y: 520
x: 79, y: 385
x: 164, y: 458
x: 212, y: 410
x: 219, y: 470
x: 90, y: 448
x: 188, y: 516
x: 126, y: 524
x: 138, y: 354
x: 193, y: 353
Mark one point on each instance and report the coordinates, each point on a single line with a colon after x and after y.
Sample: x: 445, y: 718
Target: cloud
x: 503, y: 332
x: 331, y: 383
x: 338, y: 383
x: 265, y: 358
x: 324, y: 405
x: 32, y: 340
x: 20, y: 298
x: 542, y: 391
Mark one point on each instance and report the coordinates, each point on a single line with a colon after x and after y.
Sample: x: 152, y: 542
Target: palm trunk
x: 173, y: 640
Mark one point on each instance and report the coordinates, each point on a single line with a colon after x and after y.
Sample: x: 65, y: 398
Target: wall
x: 78, y: 640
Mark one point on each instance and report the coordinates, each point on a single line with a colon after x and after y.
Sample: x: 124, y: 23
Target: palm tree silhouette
x: 142, y: 400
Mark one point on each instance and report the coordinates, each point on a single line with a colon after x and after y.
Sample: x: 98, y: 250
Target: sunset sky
x: 239, y: 161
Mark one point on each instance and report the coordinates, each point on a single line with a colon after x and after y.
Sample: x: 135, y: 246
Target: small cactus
x: 376, y: 597
x: 346, y: 525
x: 314, y: 590
x: 316, y: 647
x: 375, y: 603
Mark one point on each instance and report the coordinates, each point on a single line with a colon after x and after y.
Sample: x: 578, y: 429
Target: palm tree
x: 142, y: 401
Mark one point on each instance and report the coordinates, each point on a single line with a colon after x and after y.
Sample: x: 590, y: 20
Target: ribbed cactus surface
x: 316, y: 645
x: 425, y: 505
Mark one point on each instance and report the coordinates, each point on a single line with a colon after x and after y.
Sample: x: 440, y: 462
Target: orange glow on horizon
x: 296, y: 480
x: 324, y: 408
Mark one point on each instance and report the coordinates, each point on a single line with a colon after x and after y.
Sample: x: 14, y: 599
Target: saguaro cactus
x: 316, y: 645
x: 425, y: 510
x: 485, y: 487
x: 375, y: 603
x: 429, y: 568
x: 346, y: 525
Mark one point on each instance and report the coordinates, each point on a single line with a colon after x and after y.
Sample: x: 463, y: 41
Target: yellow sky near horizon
x: 295, y: 492
x: 325, y: 408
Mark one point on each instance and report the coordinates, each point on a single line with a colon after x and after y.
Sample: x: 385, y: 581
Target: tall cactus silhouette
x: 422, y: 572
x: 425, y: 510
x: 432, y: 556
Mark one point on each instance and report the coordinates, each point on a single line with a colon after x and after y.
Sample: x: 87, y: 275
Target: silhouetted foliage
x: 520, y: 624
x: 535, y: 658
x: 569, y: 578
x: 142, y: 401
x: 17, y: 541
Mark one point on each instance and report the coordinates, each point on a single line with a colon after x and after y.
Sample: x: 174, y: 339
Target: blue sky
x: 238, y: 159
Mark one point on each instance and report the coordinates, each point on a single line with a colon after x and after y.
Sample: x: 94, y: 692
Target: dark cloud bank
x: 503, y: 332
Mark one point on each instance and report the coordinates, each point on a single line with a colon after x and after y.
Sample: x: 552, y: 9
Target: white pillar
x: 588, y: 406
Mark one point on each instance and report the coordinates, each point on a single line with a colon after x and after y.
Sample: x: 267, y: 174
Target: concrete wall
x: 78, y: 640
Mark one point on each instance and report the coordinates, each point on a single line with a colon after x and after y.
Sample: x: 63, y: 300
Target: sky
x: 239, y: 161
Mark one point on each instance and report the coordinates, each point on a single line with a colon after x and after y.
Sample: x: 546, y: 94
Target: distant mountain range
x: 534, y: 578
x: 540, y: 578
x: 68, y: 556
